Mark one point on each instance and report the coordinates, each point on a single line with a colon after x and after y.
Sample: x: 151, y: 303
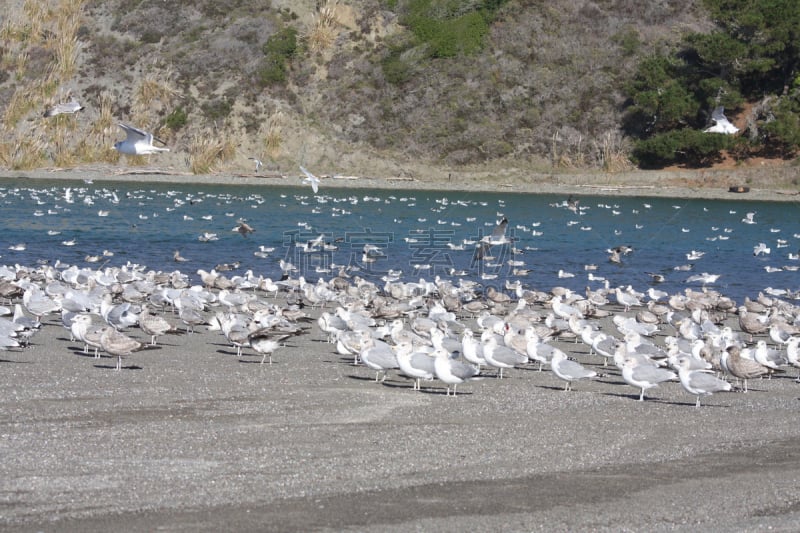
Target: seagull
x: 761, y: 249
x: 721, y: 123
x: 705, y: 278
x: 741, y: 367
x: 310, y: 178
x: 699, y: 382
x: 243, y: 228
x: 498, y: 236
x: 258, y: 163
x: 451, y: 371
x: 119, y: 344
x: 644, y: 376
x: 138, y: 142
x: 569, y: 370
x: 265, y: 341
x: 64, y: 108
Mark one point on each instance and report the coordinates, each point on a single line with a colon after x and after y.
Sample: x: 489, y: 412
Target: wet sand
x: 188, y: 437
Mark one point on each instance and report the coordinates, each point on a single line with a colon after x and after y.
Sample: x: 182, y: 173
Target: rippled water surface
x: 413, y: 231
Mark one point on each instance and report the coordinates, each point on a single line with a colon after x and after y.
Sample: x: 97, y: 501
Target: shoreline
x: 702, y: 184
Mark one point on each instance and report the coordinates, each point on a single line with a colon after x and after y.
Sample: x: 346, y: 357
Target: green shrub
x: 176, y: 120
x: 450, y: 27
x: 395, y: 70
x: 217, y: 109
x: 281, y: 44
x: 278, y: 51
x: 683, y: 146
x: 272, y: 71
x: 783, y: 132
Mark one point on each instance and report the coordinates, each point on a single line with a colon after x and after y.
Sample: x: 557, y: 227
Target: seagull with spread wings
x: 721, y: 123
x: 310, y: 178
x: 498, y: 236
x: 64, y: 108
x: 138, y: 142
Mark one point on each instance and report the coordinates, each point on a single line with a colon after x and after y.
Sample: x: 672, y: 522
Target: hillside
x: 545, y: 89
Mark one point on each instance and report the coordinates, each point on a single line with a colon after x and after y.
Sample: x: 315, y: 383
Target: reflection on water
x: 418, y: 232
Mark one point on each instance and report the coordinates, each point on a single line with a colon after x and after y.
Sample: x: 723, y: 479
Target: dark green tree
x: 753, y: 53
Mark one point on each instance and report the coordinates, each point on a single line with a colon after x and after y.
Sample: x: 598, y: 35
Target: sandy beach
x: 190, y: 437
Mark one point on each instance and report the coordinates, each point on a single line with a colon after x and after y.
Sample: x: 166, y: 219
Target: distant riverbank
x: 767, y: 184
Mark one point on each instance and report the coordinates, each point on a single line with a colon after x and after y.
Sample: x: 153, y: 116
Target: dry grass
x: 208, y: 150
x: 37, y: 15
x: 274, y: 137
x: 65, y: 41
x: 23, y: 153
x: 19, y: 105
x: 323, y: 30
x: 155, y: 93
x: 97, y: 144
x: 612, y: 154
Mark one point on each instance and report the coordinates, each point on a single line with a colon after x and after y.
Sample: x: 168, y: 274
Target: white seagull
x: 721, y: 123
x: 258, y: 163
x: 310, y: 178
x: 64, y: 108
x: 138, y: 142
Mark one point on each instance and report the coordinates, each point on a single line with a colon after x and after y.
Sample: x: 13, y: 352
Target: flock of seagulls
x: 520, y: 253
x: 423, y: 332
x: 452, y: 330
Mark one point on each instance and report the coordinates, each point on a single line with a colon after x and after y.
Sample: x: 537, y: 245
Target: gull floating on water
x: 138, y: 142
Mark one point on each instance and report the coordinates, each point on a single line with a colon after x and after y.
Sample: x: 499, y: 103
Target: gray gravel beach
x: 190, y: 437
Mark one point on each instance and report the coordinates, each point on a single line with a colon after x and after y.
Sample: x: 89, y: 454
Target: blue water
x: 146, y: 223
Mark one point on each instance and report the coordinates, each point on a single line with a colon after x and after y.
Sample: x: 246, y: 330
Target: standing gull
x: 699, y: 382
x: 741, y: 367
x: 265, y: 341
x: 568, y: 370
x: 154, y: 325
x: 451, y: 371
x: 643, y: 375
x: 119, y: 344
x: 138, y: 142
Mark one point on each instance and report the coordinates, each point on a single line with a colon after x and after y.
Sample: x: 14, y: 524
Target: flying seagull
x: 721, y: 123
x: 243, y: 228
x: 310, y: 178
x: 138, y: 142
x: 64, y: 108
x: 498, y: 236
x: 258, y: 163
